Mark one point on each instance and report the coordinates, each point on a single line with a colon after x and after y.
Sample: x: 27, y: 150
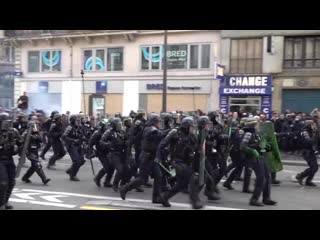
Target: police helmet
x: 116, y: 124
x: 187, y: 122
x: 213, y: 115
x: 203, y: 121
x: 154, y: 118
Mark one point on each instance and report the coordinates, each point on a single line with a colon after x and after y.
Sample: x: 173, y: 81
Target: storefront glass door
x: 248, y: 104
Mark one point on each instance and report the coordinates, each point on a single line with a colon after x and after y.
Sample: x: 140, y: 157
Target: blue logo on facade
x: 101, y: 86
x: 48, y: 61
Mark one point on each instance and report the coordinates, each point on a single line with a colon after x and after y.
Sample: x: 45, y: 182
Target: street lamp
x: 83, y: 93
x: 164, y: 92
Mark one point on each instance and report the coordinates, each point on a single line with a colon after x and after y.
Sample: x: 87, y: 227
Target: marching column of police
x: 132, y: 150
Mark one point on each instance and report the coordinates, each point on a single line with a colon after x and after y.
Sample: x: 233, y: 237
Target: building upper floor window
x: 182, y: 56
x: 302, y: 52
x: 7, y: 54
x: 246, y: 56
x: 104, y: 59
x: 44, y: 61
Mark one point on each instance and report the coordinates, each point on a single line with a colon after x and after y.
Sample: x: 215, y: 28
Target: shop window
x: 246, y: 56
x: 44, y: 61
x: 245, y: 104
x: 192, y: 56
x: 302, y: 52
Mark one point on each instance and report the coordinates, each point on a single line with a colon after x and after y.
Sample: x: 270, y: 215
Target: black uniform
x: 308, y: 152
x: 217, y: 142
x: 20, y: 125
x: 73, y: 138
x: 33, y: 155
x: 151, y: 138
x: 9, y: 143
x: 55, y: 133
x: 135, y: 139
x: 239, y: 161
x: 46, y: 128
x: 254, y: 155
x: 116, y: 142
x: 102, y: 154
x: 183, y: 146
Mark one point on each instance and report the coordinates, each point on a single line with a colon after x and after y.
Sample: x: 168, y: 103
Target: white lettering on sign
x: 266, y: 110
x: 244, y: 91
x: 257, y: 81
x: 177, y: 53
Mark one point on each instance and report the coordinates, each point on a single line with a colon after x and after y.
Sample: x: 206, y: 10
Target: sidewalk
x: 293, y: 160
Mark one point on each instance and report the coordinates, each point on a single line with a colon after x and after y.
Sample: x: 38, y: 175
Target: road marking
x: 128, y: 200
x: 42, y: 203
x: 26, y: 195
x: 97, y: 208
x: 53, y: 198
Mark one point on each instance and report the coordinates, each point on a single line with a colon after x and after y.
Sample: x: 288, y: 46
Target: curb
x: 294, y: 163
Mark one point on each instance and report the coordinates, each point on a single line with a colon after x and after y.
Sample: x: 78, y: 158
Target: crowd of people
x: 137, y: 148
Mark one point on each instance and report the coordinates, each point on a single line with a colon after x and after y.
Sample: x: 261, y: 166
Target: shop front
x: 246, y: 93
x: 182, y: 95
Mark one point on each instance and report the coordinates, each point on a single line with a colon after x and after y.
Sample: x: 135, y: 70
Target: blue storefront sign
x: 101, y: 87
x: 43, y: 87
x: 247, y: 85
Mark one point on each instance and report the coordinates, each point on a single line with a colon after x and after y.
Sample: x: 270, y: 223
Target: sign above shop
x: 249, y: 81
x: 160, y: 87
x: 218, y: 71
x: 247, y: 85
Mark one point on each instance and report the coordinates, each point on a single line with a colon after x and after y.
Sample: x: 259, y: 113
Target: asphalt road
x: 62, y: 194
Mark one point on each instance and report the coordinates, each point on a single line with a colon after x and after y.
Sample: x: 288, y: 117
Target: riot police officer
x: 73, y: 137
x: 55, y: 133
x: 9, y: 143
x: 46, y: 128
x: 219, y: 144
x: 33, y: 155
x: 183, y: 145
x: 21, y: 124
x: 136, y: 137
x: 99, y: 151
x: 308, y: 152
x: 116, y: 142
x: 250, y: 146
x: 151, y: 138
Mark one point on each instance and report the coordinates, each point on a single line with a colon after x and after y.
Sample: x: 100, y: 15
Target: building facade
x: 287, y: 59
x: 122, y: 69
x: 6, y: 74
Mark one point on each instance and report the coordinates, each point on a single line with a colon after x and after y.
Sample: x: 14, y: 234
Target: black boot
x: 228, y: 185
x: 299, y: 179
x: 157, y: 199
x: 8, y: 206
x: 165, y: 198
x: 27, y: 175
x: 269, y: 202
x: 3, y: 192
x: 123, y: 191
x: 194, y: 192
x: 310, y: 184
x: 43, y: 177
x: 98, y: 177
x: 212, y: 195
x: 254, y: 202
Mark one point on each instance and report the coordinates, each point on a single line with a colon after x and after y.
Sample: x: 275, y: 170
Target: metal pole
x: 164, y: 92
x: 83, y: 94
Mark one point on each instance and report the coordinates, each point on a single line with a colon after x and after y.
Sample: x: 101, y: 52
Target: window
x: 7, y: 54
x: 245, y: 103
x: 151, y: 58
x: 302, y: 52
x: 246, y: 56
x: 192, y: 56
x: 96, y: 59
x: 115, y: 59
x: 44, y: 61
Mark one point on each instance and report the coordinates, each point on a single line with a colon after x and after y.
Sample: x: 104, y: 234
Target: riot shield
x: 273, y: 157
x: 23, y: 154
